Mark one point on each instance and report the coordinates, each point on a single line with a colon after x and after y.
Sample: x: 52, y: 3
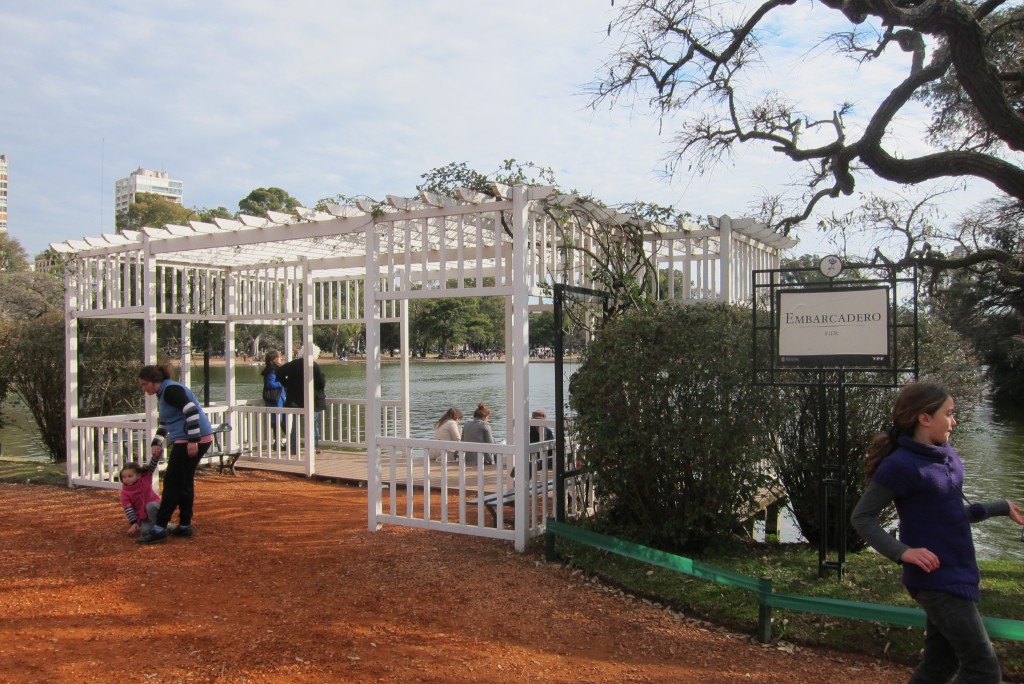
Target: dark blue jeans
x: 296, y: 429
x: 275, y: 420
x: 955, y: 642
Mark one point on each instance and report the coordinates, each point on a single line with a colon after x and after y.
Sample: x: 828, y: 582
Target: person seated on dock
x: 449, y: 429
x: 540, y: 433
x: 479, y: 430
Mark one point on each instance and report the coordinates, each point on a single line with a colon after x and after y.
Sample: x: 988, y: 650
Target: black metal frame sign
x: 833, y: 326
x: 805, y: 323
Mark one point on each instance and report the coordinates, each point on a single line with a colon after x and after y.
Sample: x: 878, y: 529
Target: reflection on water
x: 992, y: 446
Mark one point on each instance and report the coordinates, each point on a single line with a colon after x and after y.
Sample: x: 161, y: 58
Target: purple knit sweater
x: 927, y: 481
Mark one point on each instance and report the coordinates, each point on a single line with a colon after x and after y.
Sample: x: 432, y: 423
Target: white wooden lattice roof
x: 333, y: 242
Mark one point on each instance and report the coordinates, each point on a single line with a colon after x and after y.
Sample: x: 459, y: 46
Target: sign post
x: 829, y: 328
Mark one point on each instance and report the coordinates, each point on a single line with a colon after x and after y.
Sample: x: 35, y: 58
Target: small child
x: 139, y: 500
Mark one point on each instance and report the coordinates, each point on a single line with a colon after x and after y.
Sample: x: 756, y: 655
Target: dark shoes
x: 152, y: 537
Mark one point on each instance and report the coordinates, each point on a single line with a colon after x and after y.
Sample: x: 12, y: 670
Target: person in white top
x: 447, y: 428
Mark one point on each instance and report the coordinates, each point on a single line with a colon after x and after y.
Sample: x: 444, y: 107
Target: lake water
x: 992, y: 448
x: 433, y: 388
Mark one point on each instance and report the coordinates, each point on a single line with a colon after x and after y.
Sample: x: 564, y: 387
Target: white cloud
x: 359, y: 97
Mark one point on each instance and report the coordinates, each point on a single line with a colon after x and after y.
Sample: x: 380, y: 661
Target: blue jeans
x: 955, y: 642
x: 316, y: 431
x: 275, y: 420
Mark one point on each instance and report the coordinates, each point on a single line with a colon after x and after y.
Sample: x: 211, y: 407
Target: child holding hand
x: 138, y: 499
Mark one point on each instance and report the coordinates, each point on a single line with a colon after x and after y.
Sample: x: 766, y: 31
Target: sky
x: 357, y: 97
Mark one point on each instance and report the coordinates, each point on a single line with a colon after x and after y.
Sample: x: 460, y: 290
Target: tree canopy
x: 150, y: 209
x: 961, y: 60
x: 13, y: 256
x: 261, y: 200
x: 701, y: 67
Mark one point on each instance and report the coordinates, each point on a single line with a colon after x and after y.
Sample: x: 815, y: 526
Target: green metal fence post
x: 764, y: 612
x: 549, y: 542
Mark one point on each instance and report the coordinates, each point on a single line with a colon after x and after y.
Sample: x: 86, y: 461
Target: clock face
x: 831, y: 266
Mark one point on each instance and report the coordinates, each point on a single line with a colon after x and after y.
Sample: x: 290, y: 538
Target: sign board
x: 833, y: 327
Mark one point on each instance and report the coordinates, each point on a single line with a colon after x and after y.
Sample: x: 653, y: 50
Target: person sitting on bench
x: 479, y: 430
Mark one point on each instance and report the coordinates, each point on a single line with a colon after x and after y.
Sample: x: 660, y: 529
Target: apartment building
x: 3, y: 193
x: 145, y: 180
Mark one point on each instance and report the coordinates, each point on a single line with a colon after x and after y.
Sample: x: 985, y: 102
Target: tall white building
x: 145, y: 180
x: 3, y: 193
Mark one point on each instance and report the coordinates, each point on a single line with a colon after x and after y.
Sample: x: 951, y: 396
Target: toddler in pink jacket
x: 139, y: 500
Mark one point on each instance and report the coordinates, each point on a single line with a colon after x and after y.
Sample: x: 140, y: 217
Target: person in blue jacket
x: 185, y: 429
x: 913, y: 466
x: 274, y: 392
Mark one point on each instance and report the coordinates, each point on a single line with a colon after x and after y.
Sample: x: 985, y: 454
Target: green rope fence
x: 767, y: 599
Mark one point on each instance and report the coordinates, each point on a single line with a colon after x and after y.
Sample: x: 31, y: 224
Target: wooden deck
x: 351, y: 468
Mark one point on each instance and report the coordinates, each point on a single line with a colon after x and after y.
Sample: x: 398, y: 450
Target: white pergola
x: 363, y: 264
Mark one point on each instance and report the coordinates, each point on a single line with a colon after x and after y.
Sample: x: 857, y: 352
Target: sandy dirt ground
x: 284, y: 583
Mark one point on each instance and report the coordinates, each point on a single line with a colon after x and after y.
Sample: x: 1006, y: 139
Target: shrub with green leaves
x: 670, y: 425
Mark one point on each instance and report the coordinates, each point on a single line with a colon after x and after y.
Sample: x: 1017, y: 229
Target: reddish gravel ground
x: 283, y: 583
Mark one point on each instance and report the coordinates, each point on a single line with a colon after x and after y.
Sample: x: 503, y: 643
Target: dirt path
x: 283, y: 583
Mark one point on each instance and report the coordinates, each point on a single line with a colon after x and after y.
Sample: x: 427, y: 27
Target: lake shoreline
x: 361, y: 359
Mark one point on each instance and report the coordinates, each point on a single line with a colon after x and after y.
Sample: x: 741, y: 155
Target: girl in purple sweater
x: 914, y: 467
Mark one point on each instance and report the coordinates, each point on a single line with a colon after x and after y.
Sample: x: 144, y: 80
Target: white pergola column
x: 71, y: 465
x: 307, y: 342
x: 519, y: 351
x: 405, y: 352
x: 185, y: 353
x: 371, y: 313
x: 289, y: 336
x: 149, y: 341
x: 725, y: 257
x: 230, y: 306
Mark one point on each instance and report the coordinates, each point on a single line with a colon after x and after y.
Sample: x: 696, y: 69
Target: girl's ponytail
x: 912, y: 401
x: 883, y: 444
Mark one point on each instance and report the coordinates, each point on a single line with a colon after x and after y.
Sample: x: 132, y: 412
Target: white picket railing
x: 470, y: 497
x: 106, y: 444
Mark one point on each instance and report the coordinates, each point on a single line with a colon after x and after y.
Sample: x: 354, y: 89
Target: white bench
x: 508, y: 497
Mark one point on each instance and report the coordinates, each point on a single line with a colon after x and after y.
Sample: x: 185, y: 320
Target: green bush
x: 671, y: 427
x: 36, y: 355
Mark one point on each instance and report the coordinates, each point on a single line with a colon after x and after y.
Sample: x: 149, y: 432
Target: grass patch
x: 793, y: 569
x: 25, y: 471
